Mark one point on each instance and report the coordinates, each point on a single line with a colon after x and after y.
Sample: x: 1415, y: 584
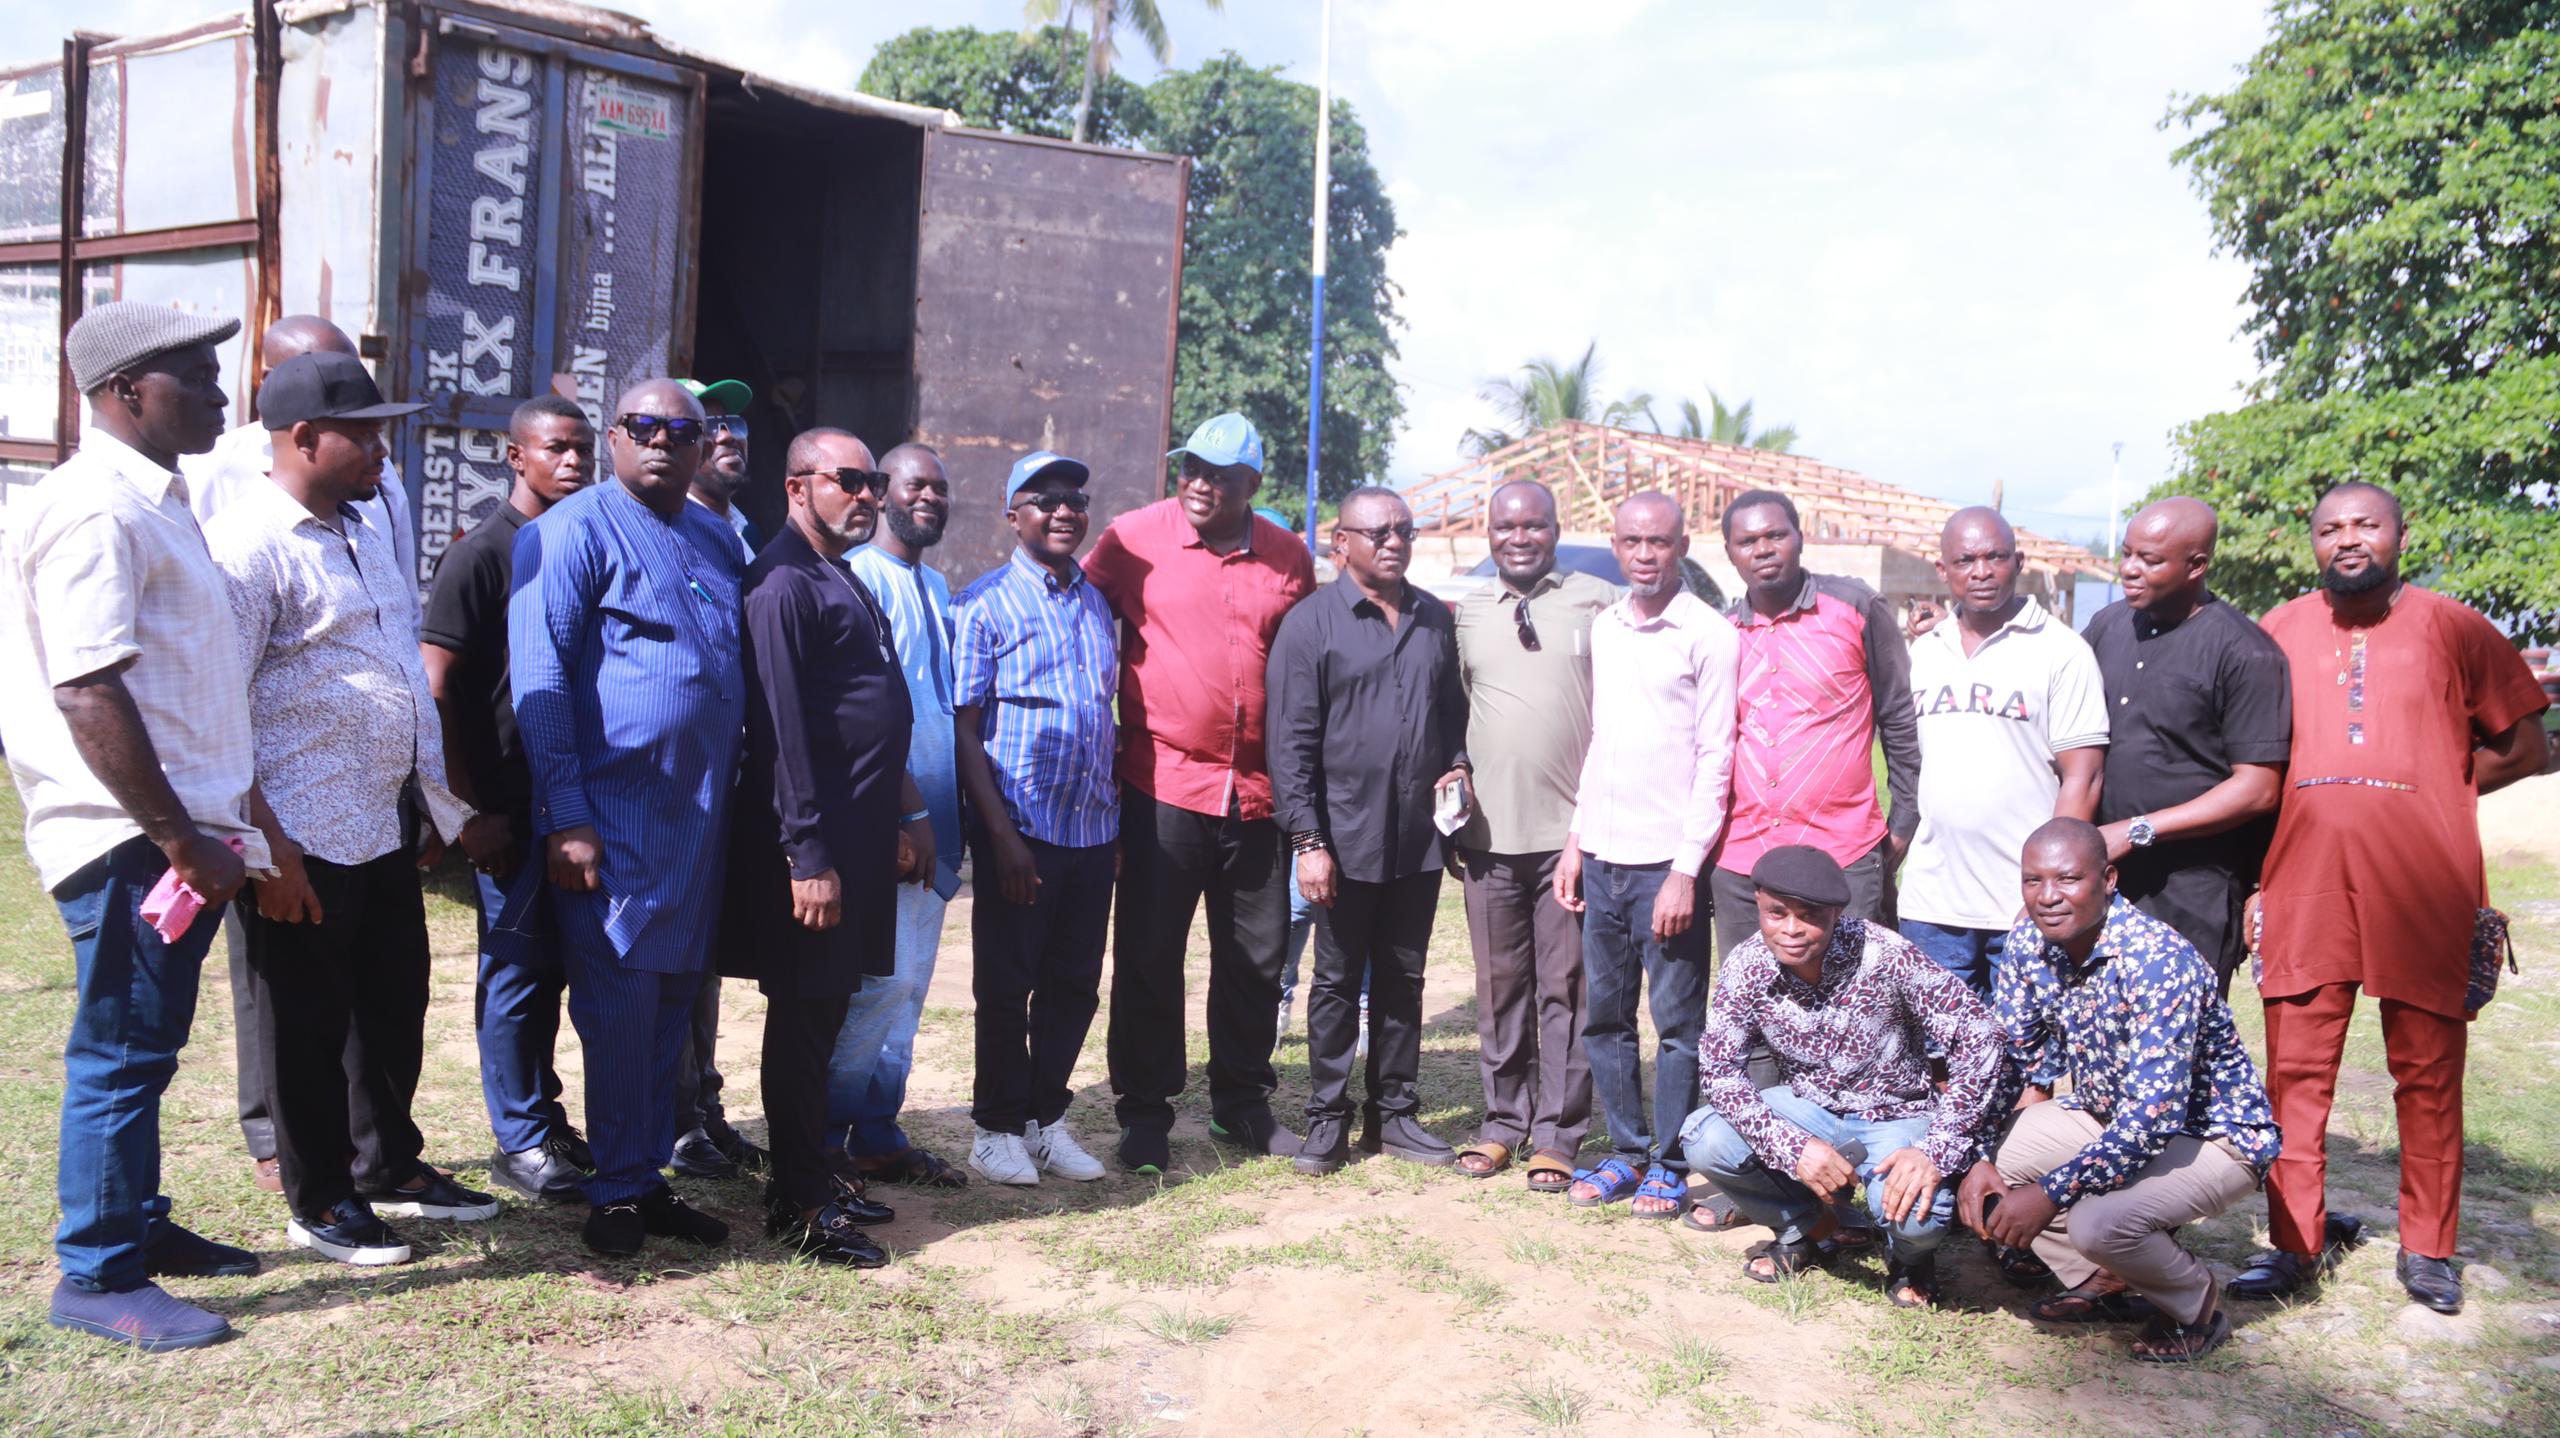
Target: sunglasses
x: 1528, y: 627
x: 1073, y: 501
x: 1379, y: 536
x: 849, y: 479
x: 731, y: 424
x: 643, y: 428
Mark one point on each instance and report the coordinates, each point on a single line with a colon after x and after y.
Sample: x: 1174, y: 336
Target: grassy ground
x: 1231, y: 1298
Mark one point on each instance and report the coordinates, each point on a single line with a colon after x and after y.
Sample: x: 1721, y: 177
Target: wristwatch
x: 2139, y: 833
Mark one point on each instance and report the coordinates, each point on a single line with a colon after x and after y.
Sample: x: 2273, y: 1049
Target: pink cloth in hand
x: 173, y: 903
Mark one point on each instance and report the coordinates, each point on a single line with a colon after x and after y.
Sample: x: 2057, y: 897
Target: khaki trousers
x: 2126, y: 1232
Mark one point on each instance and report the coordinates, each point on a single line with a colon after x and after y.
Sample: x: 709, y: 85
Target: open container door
x: 1048, y: 279
x: 551, y: 203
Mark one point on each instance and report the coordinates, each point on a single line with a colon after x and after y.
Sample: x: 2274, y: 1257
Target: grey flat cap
x: 115, y: 337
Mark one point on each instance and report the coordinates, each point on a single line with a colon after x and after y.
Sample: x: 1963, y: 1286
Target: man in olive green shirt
x: 1524, y: 655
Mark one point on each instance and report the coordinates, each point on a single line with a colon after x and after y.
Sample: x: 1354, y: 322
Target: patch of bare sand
x: 2523, y: 818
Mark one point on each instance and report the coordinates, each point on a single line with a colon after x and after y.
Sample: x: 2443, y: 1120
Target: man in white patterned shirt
x: 128, y: 739
x: 349, y: 754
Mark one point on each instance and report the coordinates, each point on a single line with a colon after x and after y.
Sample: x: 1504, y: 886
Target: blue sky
x: 1941, y: 237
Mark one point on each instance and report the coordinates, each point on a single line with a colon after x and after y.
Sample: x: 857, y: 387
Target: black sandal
x: 2166, y: 1341
x: 1920, y: 1276
x: 2087, y: 1305
x: 1786, y: 1260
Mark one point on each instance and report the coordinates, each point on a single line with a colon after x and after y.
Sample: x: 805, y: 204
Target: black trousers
x: 1380, y: 932
x: 698, y: 1080
x: 254, y: 1068
x: 799, y: 1037
x: 357, y: 980
x: 1171, y: 858
x: 1037, y: 979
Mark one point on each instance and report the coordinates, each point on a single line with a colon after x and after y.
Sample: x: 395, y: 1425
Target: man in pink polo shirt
x: 1824, y: 674
x: 1199, y: 583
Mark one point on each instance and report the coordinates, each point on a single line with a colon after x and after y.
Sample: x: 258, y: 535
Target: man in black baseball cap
x: 323, y: 385
x: 1850, y: 1010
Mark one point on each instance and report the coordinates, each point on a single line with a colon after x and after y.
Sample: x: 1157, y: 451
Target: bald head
x: 2181, y: 520
x: 1649, y: 533
x: 2067, y: 883
x: 2069, y: 838
x: 298, y: 335
x: 826, y: 449
x: 657, y: 468
x: 1978, y: 559
x: 2167, y: 549
x: 1977, y: 522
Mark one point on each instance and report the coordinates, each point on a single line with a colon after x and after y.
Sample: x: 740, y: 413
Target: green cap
x: 730, y: 394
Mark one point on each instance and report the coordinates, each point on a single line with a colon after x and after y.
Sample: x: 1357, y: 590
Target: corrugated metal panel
x: 1047, y: 279
x: 329, y: 102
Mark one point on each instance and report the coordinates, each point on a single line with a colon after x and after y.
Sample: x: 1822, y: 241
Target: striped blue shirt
x: 918, y: 600
x: 623, y: 649
x: 1040, y: 662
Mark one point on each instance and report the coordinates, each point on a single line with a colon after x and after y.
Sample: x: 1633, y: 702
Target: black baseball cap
x: 323, y: 384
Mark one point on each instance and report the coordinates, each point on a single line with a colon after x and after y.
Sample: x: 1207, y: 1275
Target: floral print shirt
x: 2146, y: 1040
x: 1856, y: 1043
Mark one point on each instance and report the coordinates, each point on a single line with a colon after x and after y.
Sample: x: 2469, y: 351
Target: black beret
x: 1802, y: 873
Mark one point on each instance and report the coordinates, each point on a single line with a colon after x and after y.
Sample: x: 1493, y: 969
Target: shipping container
x: 506, y: 199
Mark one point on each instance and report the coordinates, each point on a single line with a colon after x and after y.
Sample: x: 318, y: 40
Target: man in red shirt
x: 1200, y: 584
x: 2407, y: 707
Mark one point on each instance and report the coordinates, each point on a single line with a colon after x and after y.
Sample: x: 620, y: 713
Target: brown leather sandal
x: 1488, y: 1159
x: 1550, y: 1172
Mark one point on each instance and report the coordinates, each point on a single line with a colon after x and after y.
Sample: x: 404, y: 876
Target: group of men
x: 612, y: 669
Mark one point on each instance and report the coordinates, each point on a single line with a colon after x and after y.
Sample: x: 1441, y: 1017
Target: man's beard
x: 1662, y: 583
x: 902, y: 523
x: 720, y: 482
x: 2364, y: 581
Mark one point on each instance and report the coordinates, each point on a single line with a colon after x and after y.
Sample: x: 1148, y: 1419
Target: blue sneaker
x: 145, y: 1316
x: 174, y: 1252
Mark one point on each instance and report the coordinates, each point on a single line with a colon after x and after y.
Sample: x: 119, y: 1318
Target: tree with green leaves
x: 1731, y: 426
x: 1546, y: 393
x: 1025, y: 83
x: 1105, y: 19
x: 2390, y: 171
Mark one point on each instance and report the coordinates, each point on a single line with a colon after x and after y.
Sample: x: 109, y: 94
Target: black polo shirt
x: 1364, y: 719
x: 467, y: 613
x: 2186, y: 702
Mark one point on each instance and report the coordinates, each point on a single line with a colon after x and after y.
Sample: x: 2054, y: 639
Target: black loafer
x: 2431, y: 1281
x: 856, y: 1203
x: 733, y: 1144
x: 2278, y: 1274
x: 543, y: 1174
x: 1324, y: 1150
x: 668, y: 1216
x: 174, y: 1252
x: 1145, y: 1150
x: 831, y: 1237
x: 697, y: 1156
x: 615, y: 1230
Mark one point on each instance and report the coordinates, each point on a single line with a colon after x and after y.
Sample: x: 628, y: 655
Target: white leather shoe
x: 1056, y: 1150
x: 1001, y: 1158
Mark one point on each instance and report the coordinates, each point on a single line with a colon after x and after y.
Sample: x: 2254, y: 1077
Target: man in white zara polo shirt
x: 2013, y: 732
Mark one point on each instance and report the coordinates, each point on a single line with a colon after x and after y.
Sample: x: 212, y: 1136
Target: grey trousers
x: 698, y: 1080
x: 1529, y: 997
x: 2127, y: 1232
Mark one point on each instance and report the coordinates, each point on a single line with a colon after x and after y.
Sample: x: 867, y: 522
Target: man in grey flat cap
x: 134, y: 760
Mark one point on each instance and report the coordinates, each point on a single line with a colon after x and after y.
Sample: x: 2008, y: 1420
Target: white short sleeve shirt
x: 1990, y: 724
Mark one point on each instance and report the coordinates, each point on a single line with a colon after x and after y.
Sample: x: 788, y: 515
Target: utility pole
x: 1324, y: 206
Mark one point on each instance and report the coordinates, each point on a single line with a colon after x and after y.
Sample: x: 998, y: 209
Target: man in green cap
x: 723, y: 476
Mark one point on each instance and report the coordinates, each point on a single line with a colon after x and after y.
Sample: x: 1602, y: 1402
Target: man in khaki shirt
x: 1524, y: 656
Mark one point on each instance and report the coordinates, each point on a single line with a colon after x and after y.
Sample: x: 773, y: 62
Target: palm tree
x: 1547, y: 393
x: 1107, y: 16
x: 1732, y: 426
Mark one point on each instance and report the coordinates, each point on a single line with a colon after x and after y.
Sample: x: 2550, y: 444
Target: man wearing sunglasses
x: 1035, y: 669
x: 1524, y: 655
x: 1367, y: 725
x: 1200, y: 584
x: 706, y: 1146
x: 630, y: 714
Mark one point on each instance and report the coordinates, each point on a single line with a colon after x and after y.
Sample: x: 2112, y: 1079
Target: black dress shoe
x: 748, y: 1157
x: 2431, y: 1281
x: 542, y: 1174
x: 572, y: 1146
x: 615, y: 1230
x: 1145, y: 1149
x: 1325, y: 1149
x: 1403, y: 1136
x: 174, y: 1252
x: 1258, y: 1134
x: 668, y: 1216
x: 831, y: 1237
x: 856, y: 1202
x: 698, y: 1156
x: 2278, y: 1274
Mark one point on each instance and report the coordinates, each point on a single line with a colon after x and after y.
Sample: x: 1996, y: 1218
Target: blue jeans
x: 1787, y: 1207
x: 1620, y: 957
x: 137, y: 999
x: 515, y: 1009
x: 1966, y: 953
x: 876, y: 1048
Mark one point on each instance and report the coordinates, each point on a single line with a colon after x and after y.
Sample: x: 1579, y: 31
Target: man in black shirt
x: 1367, y: 724
x: 463, y: 642
x: 2201, y: 719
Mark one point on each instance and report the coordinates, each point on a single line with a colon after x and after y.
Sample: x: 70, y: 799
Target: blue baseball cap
x: 1230, y: 438
x: 1040, y: 464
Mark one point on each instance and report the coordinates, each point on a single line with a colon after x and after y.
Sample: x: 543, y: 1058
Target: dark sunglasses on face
x: 1380, y: 535
x: 1528, y: 627
x: 681, y: 430
x: 1073, y: 501
x: 849, y: 479
x: 731, y: 424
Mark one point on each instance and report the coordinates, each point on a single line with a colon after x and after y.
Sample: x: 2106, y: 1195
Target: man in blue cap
x: 1034, y: 668
x: 1200, y: 584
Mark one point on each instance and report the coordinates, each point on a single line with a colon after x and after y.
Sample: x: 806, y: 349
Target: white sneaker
x: 1055, y: 1149
x: 1001, y: 1158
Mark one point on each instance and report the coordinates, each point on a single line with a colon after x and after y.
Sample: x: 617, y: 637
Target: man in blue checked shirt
x: 1035, y: 668
x: 2166, y: 1123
